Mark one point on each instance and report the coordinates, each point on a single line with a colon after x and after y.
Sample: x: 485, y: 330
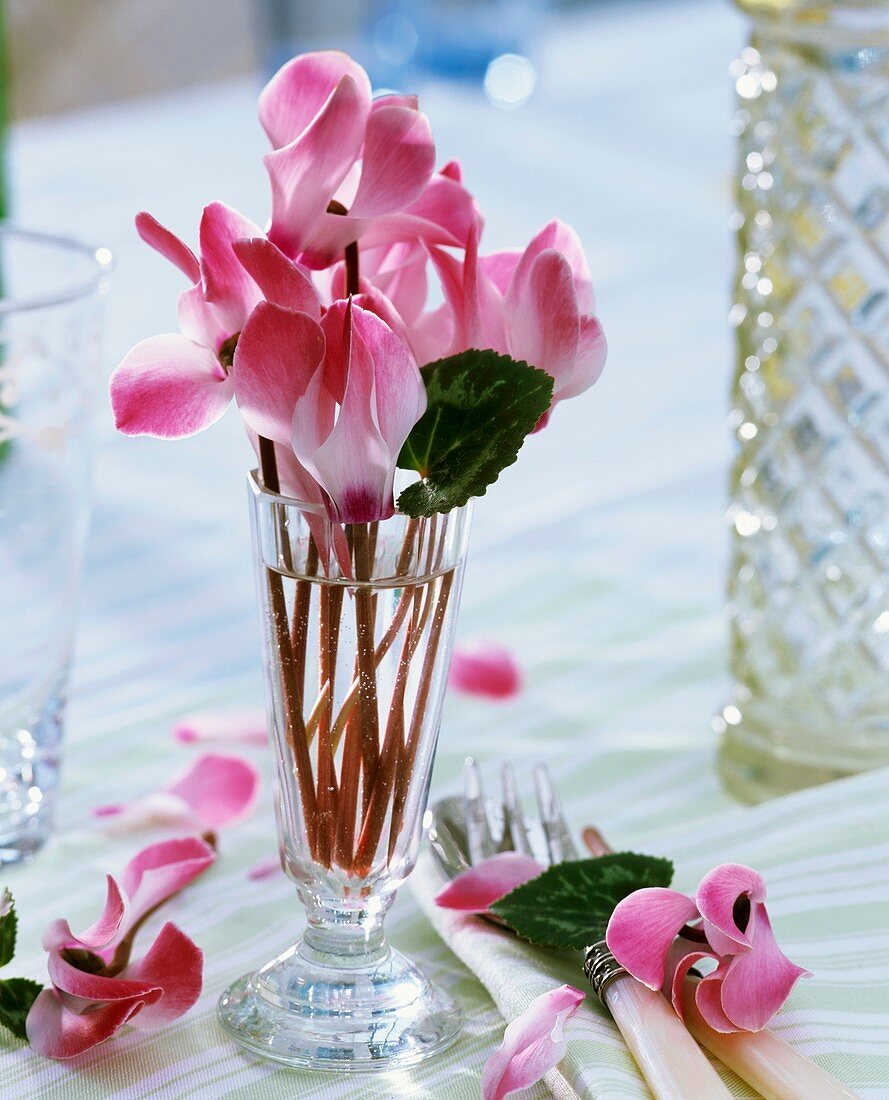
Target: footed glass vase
x: 358, y: 627
x: 809, y: 577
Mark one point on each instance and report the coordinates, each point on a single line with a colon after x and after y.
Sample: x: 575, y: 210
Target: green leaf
x: 16, y: 997
x: 481, y: 405
x: 8, y: 926
x: 570, y: 904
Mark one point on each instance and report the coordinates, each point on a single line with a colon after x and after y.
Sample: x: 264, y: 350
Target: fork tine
x: 478, y: 829
x: 559, y: 844
x: 515, y: 832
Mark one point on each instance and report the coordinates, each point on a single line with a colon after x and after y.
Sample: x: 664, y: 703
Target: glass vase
x: 51, y: 306
x: 358, y: 628
x: 809, y: 577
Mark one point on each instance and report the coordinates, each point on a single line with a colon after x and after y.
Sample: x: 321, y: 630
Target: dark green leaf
x: 481, y: 405
x: 8, y: 926
x: 570, y: 904
x: 16, y: 997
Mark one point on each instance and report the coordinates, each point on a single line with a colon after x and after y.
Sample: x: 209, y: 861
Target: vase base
x: 305, y: 1014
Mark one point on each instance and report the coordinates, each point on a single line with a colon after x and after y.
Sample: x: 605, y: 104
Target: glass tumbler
x: 50, y: 314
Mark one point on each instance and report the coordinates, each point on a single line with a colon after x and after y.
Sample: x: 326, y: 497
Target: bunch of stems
x: 345, y: 813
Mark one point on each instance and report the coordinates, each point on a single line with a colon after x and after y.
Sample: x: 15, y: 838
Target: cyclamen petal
x: 247, y: 726
x: 160, y: 238
x: 305, y: 174
x: 281, y: 280
x: 56, y: 1032
x: 226, y: 283
x: 278, y: 353
x: 489, y: 671
x: 168, y: 387
x: 161, y: 870
x: 476, y: 890
x: 717, y: 895
x: 155, y: 810
x: 642, y: 929
x: 219, y: 789
x: 532, y: 1044
x: 175, y: 965
x: 301, y: 87
x: 756, y: 984
x: 398, y: 161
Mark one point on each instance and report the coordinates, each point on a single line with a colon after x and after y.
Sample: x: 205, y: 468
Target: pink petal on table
x: 219, y: 789
x: 490, y: 671
x: 54, y: 1031
x: 757, y: 983
x: 476, y: 890
x: 243, y: 725
x: 299, y: 89
x: 168, y: 245
x: 58, y: 933
x: 227, y: 285
x: 161, y: 870
x: 305, y: 174
x: 397, y: 161
x: 175, y: 964
x: 168, y: 387
x: 281, y: 280
x: 155, y: 810
x: 95, y: 987
x: 269, y: 867
x: 642, y: 929
x: 278, y: 353
x: 532, y: 1044
x: 719, y: 892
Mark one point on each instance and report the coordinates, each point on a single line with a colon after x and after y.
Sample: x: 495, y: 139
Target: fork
x: 669, y: 1059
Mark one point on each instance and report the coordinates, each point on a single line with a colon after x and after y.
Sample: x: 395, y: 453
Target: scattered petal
x: 269, y: 867
x: 247, y: 726
x: 532, y: 1044
x: 487, y: 670
x: 476, y: 890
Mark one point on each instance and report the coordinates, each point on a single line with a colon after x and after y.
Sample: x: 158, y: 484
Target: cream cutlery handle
x: 770, y: 1065
x: 671, y: 1061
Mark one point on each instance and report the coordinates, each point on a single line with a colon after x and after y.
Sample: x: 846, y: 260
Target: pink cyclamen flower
x: 753, y: 977
x: 215, y: 790
x: 247, y: 726
x: 532, y: 1044
x: 537, y: 306
x: 177, y: 384
x: 331, y: 142
x: 476, y: 890
x: 345, y: 392
x: 96, y: 989
x: 487, y: 670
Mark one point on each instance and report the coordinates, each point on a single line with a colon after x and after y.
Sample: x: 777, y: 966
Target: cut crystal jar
x: 810, y: 489
x: 358, y: 627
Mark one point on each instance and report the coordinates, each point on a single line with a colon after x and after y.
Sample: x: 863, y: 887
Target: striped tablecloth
x: 599, y: 559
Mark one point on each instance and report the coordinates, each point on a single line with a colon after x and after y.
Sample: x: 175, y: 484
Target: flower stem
x: 296, y: 731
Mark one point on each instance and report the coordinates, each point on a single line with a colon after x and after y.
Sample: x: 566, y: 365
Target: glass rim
x: 98, y: 257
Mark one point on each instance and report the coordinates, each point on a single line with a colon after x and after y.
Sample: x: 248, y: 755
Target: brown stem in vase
x: 406, y: 761
x: 295, y: 727
x: 327, y: 785
x: 393, y: 745
x: 367, y: 667
x: 299, y: 626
